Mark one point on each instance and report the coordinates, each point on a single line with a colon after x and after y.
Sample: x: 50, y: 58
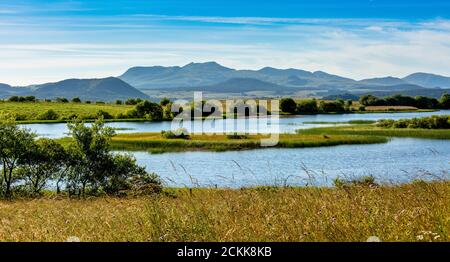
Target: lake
x: 253, y: 125
x: 400, y: 160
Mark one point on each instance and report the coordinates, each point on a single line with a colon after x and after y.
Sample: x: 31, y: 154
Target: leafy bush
x: 307, y: 106
x: 236, y: 136
x: 104, y: 114
x: 180, y: 133
x: 288, y: 105
x: 48, y: 115
x: 431, y: 122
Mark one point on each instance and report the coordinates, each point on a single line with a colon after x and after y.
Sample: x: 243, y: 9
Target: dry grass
x: 418, y: 211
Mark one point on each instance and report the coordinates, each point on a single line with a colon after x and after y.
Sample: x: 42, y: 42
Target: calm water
x: 283, y: 125
x: 400, y: 160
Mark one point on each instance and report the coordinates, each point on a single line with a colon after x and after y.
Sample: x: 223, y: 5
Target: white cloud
x: 53, y: 49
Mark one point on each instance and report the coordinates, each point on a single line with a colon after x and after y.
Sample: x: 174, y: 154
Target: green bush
x: 48, y: 115
x: 431, y: 122
x: 180, y: 133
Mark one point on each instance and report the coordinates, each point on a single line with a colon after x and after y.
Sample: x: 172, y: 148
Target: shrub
x: 236, y: 136
x: 431, y: 122
x: 180, y: 133
x: 48, y: 115
x: 76, y: 100
x: 104, y: 114
x: 119, y: 102
x: 307, y: 106
x: 334, y: 107
x: 288, y: 105
x: 62, y: 100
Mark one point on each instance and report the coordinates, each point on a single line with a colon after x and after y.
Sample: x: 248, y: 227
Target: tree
x: 44, y: 161
x: 76, y: 100
x: 48, y: 115
x: 119, y: 102
x: 131, y: 101
x: 308, y: 106
x: 13, y: 99
x: 164, y: 101
x: 149, y: 110
x: 288, y: 105
x: 331, y: 107
x: 426, y: 102
x: 62, y: 100
x: 91, y: 148
x: 445, y: 101
x: 15, y: 143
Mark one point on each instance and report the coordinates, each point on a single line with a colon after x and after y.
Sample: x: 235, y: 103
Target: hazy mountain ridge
x: 213, y: 77
x: 102, y: 89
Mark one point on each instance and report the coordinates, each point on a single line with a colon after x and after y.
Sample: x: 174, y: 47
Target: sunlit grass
x: 154, y: 142
x: 413, y: 212
x: 372, y: 130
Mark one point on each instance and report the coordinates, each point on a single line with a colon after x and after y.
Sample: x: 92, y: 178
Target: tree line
x: 313, y: 106
x: 421, y: 102
x: 431, y: 122
x: 83, y: 166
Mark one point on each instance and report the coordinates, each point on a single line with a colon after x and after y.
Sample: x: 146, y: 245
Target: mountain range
x: 103, y: 89
x: 213, y: 78
x: 217, y: 80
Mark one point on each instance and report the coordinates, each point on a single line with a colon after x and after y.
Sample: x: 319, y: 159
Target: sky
x: 47, y: 41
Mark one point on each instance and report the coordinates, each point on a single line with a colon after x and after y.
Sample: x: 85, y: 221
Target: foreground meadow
x: 414, y: 212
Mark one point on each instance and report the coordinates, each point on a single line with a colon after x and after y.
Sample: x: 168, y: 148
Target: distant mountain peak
x: 428, y: 80
x: 206, y: 65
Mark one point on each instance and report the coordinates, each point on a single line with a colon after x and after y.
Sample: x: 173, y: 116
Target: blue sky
x: 42, y: 41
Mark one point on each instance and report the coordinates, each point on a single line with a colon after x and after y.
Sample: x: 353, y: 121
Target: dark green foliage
x: 331, y: 107
x: 432, y: 122
x: 118, y: 102
x: 164, y: 101
x: 85, y: 166
x: 236, y: 136
x: 308, y: 106
x: 288, y: 105
x: 76, y: 100
x: 400, y: 100
x: 48, y: 115
x: 15, y: 143
x: 104, y: 115
x: 148, y: 110
x: 62, y: 100
x: 22, y: 99
x: 445, y: 101
x: 180, y: 133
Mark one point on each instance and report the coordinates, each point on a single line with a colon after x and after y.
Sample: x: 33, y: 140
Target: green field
x: 413, y: 212
x: 30, y: 111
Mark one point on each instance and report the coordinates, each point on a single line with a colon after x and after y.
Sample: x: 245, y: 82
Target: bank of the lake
x: 253, y: 125
x: 411, y: 212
